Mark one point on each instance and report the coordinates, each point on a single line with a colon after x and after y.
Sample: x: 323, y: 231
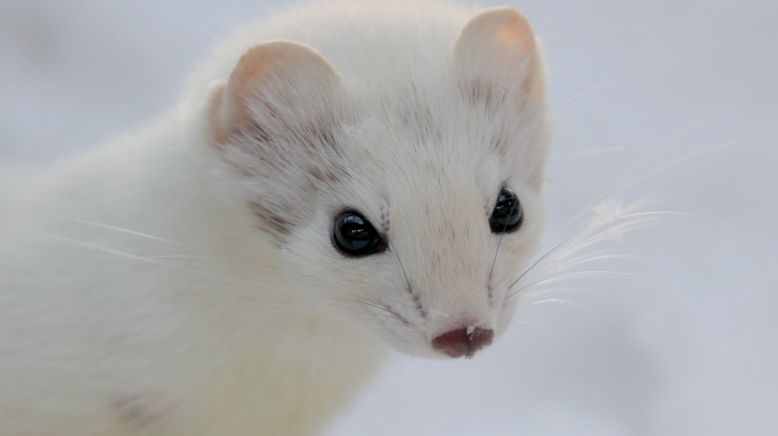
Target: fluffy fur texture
x: 182, y: 280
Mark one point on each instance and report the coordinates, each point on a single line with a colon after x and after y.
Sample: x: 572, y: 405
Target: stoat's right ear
x: 275, y: 85
x: 498, y: 53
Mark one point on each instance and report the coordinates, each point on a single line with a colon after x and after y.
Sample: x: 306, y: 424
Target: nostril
x: 463, y: 342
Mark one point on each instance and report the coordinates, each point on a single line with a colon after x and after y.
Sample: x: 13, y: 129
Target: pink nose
x: 463, y: 342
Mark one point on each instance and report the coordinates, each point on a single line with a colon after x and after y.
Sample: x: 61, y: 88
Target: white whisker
x: 574, y: 275
x: 541, y: 292
x: 679, y: 160
x: 127, y: 231
x: 556, y: 301
x: 586, y: 91
x: 99, y: 248
x: 582, y: 260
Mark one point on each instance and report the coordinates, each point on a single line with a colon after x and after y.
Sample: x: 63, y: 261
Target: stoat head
x: 411, y: 209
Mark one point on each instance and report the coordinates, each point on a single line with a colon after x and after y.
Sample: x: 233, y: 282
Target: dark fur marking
x: 384, y: 220
x: 325, y: 136
x: 479, y: 93
x: 496, y: 144
x: 270, y: 222
x: 490, y: 293
x: 138, y: 413
x: 324, y: 176
x: 417, y: 300
x: 257, y: 133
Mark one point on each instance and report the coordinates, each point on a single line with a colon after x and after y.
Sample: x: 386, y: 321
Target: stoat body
x: 200, y: 276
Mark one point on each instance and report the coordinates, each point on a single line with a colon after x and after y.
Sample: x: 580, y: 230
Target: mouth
x: 465, y: 341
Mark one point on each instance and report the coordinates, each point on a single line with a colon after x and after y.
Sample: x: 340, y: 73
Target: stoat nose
x: 463, y: 342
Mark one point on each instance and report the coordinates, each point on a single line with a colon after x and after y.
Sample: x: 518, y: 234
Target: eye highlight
x: 508, y: 214
x: 353, y: 235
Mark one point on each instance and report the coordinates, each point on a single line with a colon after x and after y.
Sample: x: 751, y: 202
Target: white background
x: 684, y: 90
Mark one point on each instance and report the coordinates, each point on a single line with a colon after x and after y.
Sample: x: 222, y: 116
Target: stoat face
x: 410, y: 210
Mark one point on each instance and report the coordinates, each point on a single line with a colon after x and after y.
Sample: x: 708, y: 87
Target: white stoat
x: 339, y: 178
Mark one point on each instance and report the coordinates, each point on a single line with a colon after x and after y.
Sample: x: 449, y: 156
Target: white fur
x: 139, y: 296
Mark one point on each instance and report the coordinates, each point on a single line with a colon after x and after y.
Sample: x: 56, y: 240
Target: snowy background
x: 674, y: 101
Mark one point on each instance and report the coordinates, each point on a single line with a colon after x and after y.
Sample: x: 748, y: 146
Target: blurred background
x: 671, y: 104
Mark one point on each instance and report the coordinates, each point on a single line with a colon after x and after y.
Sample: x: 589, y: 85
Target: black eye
x: 507, y: 215
x: 353, y: 235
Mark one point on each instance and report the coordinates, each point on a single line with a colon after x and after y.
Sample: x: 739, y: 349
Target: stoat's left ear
x: 498, y: 50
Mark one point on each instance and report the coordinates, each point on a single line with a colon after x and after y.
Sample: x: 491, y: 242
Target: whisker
x: 380, y: 306
x: 608, y: 233
x: 99, y: 248
x: 414, y: 296
x: 127, y: 231
x: 619, y: 184
x: 402, y: 268
x: 541, y: 292
x: 592, y: 234
x: 197, y: 270
x: 586, y: 91
x: 497, y: 252
x: 537, y: 262
x: 572, y: 275
x: 680, y: 160
x: 557, y: 301
x: 582, y: 260
x: 559, y: 258
x: 579, y: 241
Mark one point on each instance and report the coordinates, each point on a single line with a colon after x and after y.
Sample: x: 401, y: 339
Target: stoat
x: 339, y: 180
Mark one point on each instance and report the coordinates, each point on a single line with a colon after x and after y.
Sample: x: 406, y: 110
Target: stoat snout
x: 464, y: 341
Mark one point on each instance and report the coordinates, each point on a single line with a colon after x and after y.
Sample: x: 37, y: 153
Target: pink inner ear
x: 516, y: 33
x: 498, y: 44
x: 506, y: 27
